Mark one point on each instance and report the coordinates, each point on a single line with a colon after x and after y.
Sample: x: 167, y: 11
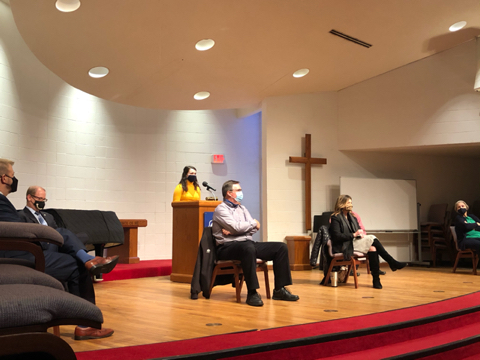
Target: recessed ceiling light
x: 457, y: 26
x: 204, y: 44
x: 98, y: 72
x: 300, y: 73
x: 202, y: 95
x: 67, y: 5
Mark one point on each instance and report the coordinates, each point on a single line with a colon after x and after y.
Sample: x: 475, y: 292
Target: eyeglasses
x: 236, y: 190
x: 39, y: 198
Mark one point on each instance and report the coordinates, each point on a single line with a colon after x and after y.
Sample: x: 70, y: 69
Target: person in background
x: 188, y: 188
x: 467, y: 227
x: 347, y: 237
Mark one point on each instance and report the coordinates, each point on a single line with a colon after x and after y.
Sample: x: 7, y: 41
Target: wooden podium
x: 187, y: 232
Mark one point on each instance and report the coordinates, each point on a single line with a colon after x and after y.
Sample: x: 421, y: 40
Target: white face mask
x: 239, y: 197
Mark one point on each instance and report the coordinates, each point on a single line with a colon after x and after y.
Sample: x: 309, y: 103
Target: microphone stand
x: 211, y: 192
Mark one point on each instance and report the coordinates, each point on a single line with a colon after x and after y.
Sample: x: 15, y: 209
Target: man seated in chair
x: 233, y: 227
x: 32, y: 213
x: 71, y: 268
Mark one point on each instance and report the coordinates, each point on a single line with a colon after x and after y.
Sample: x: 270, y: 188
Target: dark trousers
x: 249, y: 251
x: 71, y: 243
x: 471, y: 243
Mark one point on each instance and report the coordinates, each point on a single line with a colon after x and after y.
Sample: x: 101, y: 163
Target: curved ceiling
x: 149, y: 45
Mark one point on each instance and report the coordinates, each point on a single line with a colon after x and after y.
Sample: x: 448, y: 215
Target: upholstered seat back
x: 17, y: 274
x: 29, y: 231
x: 27, y: 305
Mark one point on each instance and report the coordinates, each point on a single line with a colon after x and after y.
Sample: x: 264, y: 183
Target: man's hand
x: 258, y: 224
x: 226, y: 232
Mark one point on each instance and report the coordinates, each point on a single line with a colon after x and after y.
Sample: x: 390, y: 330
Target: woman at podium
x: 188, y: 188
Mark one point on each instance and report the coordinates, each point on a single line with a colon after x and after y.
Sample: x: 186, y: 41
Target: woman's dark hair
x: 183, y: 180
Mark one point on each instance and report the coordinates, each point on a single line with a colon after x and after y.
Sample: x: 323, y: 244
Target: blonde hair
x: 341, y: 203
x: 458, y: 202
x: 4, y: 165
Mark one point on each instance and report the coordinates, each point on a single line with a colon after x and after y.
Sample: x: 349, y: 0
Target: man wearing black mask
x: 63, y: 266
x: 36, y: 199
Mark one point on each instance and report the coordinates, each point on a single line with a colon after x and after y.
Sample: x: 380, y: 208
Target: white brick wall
x: 428, y: 102
x: 90, y: 153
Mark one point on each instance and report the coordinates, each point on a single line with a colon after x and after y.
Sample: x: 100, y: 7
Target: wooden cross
x: 308, y: 161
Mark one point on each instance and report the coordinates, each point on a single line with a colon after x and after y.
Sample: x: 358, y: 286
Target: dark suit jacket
x: 462, y: 227
x: 27, y: 216
x: 8, y: 211
x: 341, y: 233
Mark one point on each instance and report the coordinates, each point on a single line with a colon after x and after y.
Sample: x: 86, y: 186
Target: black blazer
x: 341, y: 233
x: 8, y: 211
x: 462, y: 227
x: 27, y: 216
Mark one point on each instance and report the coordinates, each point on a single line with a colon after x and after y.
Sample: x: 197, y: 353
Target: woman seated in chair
x: 467, y: 227
x: 347, y: 237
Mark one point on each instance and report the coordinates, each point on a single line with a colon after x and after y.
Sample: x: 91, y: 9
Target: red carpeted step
x: 145, y: 268
x: 379, y: 345
x: 409, y: 348
x: 310, y: 340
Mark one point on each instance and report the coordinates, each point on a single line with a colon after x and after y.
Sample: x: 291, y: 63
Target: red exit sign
x: 217, y: 159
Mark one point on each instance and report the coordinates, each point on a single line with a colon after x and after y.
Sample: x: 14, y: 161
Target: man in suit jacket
x: 62, y: 266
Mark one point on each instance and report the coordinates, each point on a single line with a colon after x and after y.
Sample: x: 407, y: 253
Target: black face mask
x: 14, y: 184
x: 40, y: 205
x: 462, y: 211
x: 192, y: 178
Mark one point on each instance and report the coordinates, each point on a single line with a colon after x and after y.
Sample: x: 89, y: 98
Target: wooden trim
x: 299, y: 252
x: 128, y: 252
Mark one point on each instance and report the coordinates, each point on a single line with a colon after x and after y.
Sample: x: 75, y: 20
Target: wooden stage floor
x: 151, y: 310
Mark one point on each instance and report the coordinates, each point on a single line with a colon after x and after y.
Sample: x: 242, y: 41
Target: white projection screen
x: 383, y: 204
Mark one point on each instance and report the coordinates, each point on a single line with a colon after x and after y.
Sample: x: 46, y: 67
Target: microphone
x: 208, y: 186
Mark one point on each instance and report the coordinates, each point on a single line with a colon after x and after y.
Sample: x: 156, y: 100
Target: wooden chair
x: 434, y: 231
x: 339, y: 260
x: 467, y: 253
x: 234, y: 267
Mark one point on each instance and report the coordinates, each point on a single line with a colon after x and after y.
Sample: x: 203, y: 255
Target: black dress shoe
x: 284, y: 294
x: 381, y: 272
x: 254, y: 299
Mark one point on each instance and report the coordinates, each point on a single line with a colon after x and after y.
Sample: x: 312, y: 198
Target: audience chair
x: 25, y: 237
x: 339, y: 260
x: 234, y: 267
x: 32, y: 301
x: 434, y: 232
x: 467, y: 253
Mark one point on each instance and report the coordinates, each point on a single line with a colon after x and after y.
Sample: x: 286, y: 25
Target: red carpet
x: 374, y: 336
x: 146, y: 268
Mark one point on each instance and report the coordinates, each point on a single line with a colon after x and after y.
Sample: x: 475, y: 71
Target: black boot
x: 394, y: 264
x: 375, y: 269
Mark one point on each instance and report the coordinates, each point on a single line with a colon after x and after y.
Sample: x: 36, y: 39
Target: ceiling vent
x: 349, y: 38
